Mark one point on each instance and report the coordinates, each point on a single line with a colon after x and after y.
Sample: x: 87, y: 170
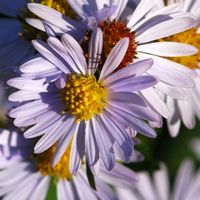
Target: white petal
x: 52, y: 16
x: 140, y: 12
x: 95, y: 50
x: 28, y: 84
x: 48, y: 53
x: 75, y: 51
x: 64, y: 142
x: 168, y: 49
x: 137, y: 68
x: 115, y: 57
x: 187, y: 113
x: 165, y: 29
x: 174, y: 122
x: 155, y: 101
x: 37, y: 65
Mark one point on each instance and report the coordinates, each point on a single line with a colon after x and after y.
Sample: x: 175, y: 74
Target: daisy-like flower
x: 143, y: 31
x: 70, y: 100
x: 157, y: 187
x: 186, y: 110
x: 16, y: 34
x: 27, y: 176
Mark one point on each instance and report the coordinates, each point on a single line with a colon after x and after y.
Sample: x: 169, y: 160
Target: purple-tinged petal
x: 166, y: 28
x: 47, y: 52
x: 168, y: 49
x: 75, y: 52
x: 132, y: 83
x: 95, y: 50
x: 65, y: 190
x: 41, y: 189
x: 132, y: 122
x: 119, y: 176
x: 140, y: 11
x: 77, y: 150
x: 37, y: 65
x: 137, y: 68
x: 104, y: 144
x: 91, y: 147
x: 126, y: 97
x: 64, y: 142
x: 50, y: 138
x: 155, y: 101
x: 115, y: 57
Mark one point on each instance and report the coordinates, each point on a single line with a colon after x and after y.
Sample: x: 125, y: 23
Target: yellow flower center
x: 84, y: 96
x: 188, y: 37
x: 60, y: 171
x: 29, y: 32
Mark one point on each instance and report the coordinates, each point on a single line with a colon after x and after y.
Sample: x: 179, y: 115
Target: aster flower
x: 143, y: 31
x: 89, y: 108
x: 16, y: 34
x: 34, y: 174
x: 186, y: 110
x: 157, y: 187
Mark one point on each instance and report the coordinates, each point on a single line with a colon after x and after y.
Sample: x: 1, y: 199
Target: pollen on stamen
x: 61, y: 169
x: 188, y: 37
x: 113, y: 31
x: 84, y: 96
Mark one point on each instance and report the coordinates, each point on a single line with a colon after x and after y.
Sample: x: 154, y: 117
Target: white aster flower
x: 83, y: 102
x: 143, y: 31
x: 186, y: 110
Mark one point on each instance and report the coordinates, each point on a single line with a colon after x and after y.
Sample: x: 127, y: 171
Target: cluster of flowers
x: 88, y: 76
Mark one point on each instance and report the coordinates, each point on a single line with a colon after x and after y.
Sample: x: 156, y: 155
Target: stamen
x: 61, y: 170
x: 84, y: 96
x: 112, y: 33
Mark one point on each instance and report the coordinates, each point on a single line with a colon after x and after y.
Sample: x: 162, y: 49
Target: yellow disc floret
x: 113, y: 32
x: 60, y: 171
x: 84, y: 96
x: 188, y: 37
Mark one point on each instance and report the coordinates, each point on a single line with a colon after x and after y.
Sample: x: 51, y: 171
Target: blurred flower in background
x: 157, y: 187
x: 35, y: 174
x: 186, y: 110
